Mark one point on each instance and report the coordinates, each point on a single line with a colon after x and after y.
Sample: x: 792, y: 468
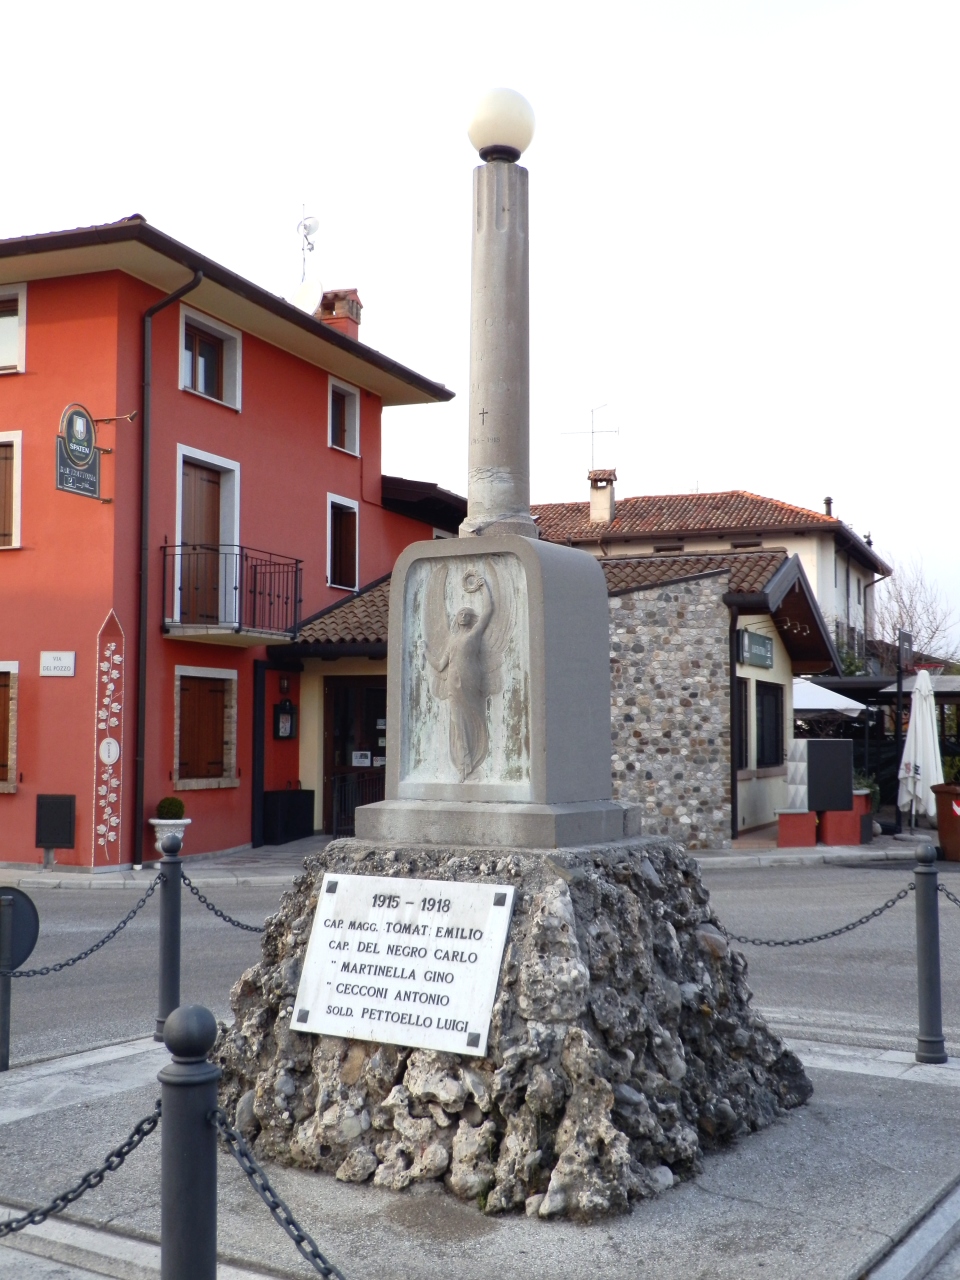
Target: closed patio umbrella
x: 920, y: 768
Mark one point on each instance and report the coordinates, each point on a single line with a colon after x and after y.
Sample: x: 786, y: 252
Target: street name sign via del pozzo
x: 403, y: 961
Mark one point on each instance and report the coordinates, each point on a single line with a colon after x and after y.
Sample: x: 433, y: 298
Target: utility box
x: 56, y: 821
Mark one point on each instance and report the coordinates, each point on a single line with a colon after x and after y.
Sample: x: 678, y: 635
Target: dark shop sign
x: 754, y: 650
x: 78, y: 458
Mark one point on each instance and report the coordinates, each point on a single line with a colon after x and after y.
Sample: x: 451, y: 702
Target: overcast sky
x: 744, y: 216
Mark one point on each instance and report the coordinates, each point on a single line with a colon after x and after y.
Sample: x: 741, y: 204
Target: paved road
x: 113, y: 995
x: 856, y: 989
x: 860, y: 988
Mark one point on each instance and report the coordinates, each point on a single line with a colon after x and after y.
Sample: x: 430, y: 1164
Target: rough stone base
x: 622, y: 1043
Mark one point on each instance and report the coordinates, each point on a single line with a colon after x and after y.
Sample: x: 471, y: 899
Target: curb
x: 837, y: 856
x: 926, y: 1242
x: 138, y: 883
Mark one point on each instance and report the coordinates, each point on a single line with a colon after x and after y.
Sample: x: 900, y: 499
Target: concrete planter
x: 167, y: 827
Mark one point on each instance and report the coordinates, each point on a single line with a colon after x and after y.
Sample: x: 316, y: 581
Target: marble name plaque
x: 411, y: 962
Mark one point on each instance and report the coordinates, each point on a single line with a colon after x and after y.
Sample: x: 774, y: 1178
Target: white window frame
x: 230, y: 776
x: 232, y: 340
x: 18, y: 291
x: 229, y: 520
x: 13, y: 670
x: 16, y: 439
x: 353, y: 424
x: 334, y: 499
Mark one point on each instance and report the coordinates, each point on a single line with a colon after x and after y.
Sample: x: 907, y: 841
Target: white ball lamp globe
x: 502, y: 125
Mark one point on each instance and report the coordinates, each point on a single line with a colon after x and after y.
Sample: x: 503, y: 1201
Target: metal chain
x: 951, y: 897
x: 221, y: 915
x: 66, y: 964
x: 821, y: 937
x: 306, y: 1245
x: 89, y: 1180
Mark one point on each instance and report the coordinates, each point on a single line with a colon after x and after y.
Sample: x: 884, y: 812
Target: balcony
x: 230, y: 595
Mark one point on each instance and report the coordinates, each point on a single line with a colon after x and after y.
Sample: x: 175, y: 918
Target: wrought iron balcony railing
x: 230, y: 588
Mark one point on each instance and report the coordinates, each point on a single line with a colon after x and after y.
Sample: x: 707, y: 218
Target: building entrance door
x: 354, y: 747
x: 200, y: 545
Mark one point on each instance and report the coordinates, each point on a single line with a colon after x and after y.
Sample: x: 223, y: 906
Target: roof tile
x: 750, y: 571
x: 676, y: 513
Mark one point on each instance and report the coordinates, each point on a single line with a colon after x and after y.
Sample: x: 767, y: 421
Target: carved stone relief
x: 466, y: 675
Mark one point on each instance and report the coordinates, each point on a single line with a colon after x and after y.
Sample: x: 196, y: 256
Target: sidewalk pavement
x: 280, y: 864
x: 826, y: 1193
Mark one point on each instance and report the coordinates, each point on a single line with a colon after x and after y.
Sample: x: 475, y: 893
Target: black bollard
x: 171, y: 868
x: 6, y: 964
x: 188, y: 1154
x: 930, y: 1045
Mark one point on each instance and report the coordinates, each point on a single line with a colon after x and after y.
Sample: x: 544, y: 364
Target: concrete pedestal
x: 498, y: 703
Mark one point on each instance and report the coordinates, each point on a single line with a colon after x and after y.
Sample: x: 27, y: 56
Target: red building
x: 189, y: 466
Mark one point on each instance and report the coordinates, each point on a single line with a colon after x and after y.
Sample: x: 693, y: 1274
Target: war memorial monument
x: 499, y: 983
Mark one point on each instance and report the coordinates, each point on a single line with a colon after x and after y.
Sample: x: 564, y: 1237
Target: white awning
x: 810, y: 699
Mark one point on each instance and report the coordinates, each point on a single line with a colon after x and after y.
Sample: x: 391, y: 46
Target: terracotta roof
x: 360, y: 620
x: 677, y: 514
x: 750, y: 571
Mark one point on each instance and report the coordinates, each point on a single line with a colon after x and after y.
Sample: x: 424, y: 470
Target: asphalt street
x: 112, y: 996
x: 860, y: 988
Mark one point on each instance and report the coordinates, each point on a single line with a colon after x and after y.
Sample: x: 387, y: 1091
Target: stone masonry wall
x: 670, y: 708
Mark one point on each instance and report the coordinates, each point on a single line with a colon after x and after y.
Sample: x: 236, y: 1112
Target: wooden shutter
x: 343, y: 550
x: 200, y: 550
x: 202, y: 705
x: 4, y: 726
x: 6, y: 495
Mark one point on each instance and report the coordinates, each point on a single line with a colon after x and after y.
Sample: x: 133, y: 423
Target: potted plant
x: 169, y: 821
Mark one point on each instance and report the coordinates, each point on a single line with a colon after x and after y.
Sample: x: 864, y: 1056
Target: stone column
x: 498, y: 486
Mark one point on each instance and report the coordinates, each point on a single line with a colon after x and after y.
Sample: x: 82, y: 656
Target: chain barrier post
x: 188, y: 1153
x: 930, y: 1044
x: 171, y: 869
x: 6, y: 964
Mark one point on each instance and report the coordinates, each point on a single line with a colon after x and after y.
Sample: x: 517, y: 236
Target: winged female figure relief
x: 465, y: 655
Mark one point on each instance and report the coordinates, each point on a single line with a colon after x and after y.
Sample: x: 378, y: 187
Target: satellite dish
x: 309, y: 226
x: 307, y: 297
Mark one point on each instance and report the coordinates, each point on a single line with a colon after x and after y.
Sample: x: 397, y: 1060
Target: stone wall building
x: 670, y: 707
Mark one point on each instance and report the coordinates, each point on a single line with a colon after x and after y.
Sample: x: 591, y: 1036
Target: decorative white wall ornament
x: 108, y: 742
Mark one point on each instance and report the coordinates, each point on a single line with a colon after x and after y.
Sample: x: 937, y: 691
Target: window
x: 344, y: 417
x: 769, y: 725
x: 8, y: 726
x: 210, y: 357
x: 13, y: 328
x: 342, y: 541
x: 859, y: 592
x: 202, y: 363
x: 205, y: 728
x: 10, y: 488
x: 743, y: 724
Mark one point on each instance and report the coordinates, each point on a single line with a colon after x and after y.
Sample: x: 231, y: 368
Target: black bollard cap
x: 171, y: 844
x: 927, y: 854
x: 189, y: 1032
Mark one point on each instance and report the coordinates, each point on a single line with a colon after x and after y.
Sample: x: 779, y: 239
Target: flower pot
x: 163, y: 827
x: 948, y: 819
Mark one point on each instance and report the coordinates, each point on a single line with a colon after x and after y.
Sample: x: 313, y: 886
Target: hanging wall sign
x: 78, y: 458
x: 108, y: 737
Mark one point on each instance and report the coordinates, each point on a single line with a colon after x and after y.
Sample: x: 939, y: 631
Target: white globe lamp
x: 502, y: 125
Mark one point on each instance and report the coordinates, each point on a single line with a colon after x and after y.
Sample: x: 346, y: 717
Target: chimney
x: 828, y: 506
x: 340, y: 309
x: 602, y: 504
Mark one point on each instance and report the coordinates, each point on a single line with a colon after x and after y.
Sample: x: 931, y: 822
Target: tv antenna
x: 593, y: 432
x: 308, y: 228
